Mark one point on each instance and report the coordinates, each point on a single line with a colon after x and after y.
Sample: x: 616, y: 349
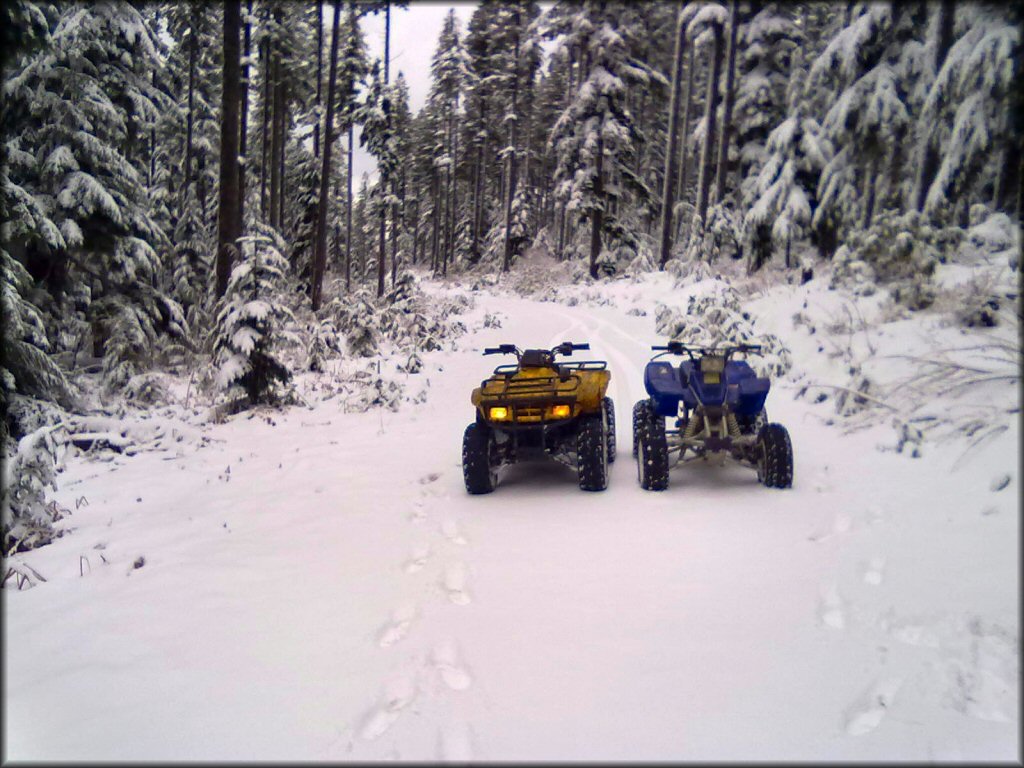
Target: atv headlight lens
x: 499, y: 413
x: 561, y: 411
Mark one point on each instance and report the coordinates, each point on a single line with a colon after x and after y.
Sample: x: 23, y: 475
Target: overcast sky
x: 414, y: 34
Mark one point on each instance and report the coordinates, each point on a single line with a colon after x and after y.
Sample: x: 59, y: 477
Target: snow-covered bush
x: 250, y: 327
x: 29, y: 471
x: 146, y: 389
x: 991, y: 235
x: 900, y: 250
x: 323, y: 343
x: 714, y: 316
x: 357, y: 321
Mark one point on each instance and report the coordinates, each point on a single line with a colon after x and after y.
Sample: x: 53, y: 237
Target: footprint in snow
x: 417, y: 559
x: 433, y: 477
x: 451, y: 531
x: 398, y: 694
x: 398, y: 626
x: 455, y: 743
x: 454, y: 582
x: 419, y: 513
x: 875, y: 571
x: 865, y: 714
x: 446, y: 661
x: 830, y: 607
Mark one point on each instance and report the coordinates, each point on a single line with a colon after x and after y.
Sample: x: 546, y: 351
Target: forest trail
x: 339, y: 596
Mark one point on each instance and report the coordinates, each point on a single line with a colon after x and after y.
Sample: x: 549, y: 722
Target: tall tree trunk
x: 930, y: 161
x: 265, y: 142
x: 513, y: 165
x: 227, y: 232
x: 348, y: 213
x: 710, y: 115
x: 384, y: 180
x: 435, y: 215
x: 667, y: 191
x: 320, y: 248
x: 726, y: 130
x: 597, y: 216
x: 275, y: 141
x: 453, y: 201
x: 193, y: 56
x: 243, y: 118
x: 684, y: 132
x: 283, y: 129
x: 319, y: 72
x: 478, y: 185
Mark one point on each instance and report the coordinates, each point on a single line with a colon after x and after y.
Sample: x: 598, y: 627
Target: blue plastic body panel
x: 742, y: 389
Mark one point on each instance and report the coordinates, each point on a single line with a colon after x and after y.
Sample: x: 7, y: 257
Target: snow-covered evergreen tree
x: 251, y: 321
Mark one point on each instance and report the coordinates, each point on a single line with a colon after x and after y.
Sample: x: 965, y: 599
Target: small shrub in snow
x: 29, y: 471
x: 491, y: 320
x: 323, y: 343
x: 716, y: 317
x: 902, y: 251
x: 146, y: 389
x: 250, y: 326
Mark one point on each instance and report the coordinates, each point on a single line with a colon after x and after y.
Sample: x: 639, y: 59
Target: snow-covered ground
x: 317, y: 585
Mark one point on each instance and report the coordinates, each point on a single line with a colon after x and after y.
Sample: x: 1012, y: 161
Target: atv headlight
x: 498, y: 413
x: 561, y: 411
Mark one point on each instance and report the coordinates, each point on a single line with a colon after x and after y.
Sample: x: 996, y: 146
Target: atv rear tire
x: 592, y: 454
x: 609, y: 414
x: 478, y: 467
x: 774, y: 457
x: 652, y: 456
x: 643, y: 413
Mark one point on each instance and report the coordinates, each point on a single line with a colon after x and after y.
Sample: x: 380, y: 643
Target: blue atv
x: 717, y: 407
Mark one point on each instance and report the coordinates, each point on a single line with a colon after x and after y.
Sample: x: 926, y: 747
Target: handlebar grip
x: 492, y: 351
x: 659, y: 348
x: 584, y: 345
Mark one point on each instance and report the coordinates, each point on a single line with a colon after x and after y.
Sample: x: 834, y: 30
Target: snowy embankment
x: 316, y: 585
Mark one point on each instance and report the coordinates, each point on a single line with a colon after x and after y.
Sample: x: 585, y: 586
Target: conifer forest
x: 190, y: 242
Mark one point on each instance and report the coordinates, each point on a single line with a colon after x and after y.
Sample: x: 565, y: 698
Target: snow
x: 313, y: 584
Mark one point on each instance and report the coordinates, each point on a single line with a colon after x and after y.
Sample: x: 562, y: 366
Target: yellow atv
x: 539, y: 406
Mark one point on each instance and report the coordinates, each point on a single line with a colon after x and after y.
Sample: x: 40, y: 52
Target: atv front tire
x: 592, y: 454
x: 478, y: 467
x: 774, y: 457
x: 609, y: 414
x: 652, y: 455
x: 643, y: 413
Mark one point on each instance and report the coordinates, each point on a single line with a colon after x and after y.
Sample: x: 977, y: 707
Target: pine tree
x: 250, y: 323
x: 595, y: 136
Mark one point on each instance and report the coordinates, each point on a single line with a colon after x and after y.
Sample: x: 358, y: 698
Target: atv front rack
x: 534, y: 388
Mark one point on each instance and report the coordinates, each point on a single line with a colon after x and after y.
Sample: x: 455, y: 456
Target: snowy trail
x: 341, y: 597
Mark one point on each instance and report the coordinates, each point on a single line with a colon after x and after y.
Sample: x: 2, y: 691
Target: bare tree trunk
x: 684, y: 133
x: 243, y: 133
x: 265, y: 144
x: 348, y: 215
x: 478, y: 186
x: 597, y: 216
x: 726, y: 130
x: 930, y: 161
x: 227, y: 233
x: 710, y: 115
x: 453, y: 201
x: 319, y: 72
x: 275, y: 142
x: 320, y: 246
x: 667, y: 191
x: 193, y: 56
x: 512, y: 163
x: 384, y: 181
x: 435, y: 215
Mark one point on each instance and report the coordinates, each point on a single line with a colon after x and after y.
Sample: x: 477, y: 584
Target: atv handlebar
x: 565, y: 348
x: 679, y: 348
